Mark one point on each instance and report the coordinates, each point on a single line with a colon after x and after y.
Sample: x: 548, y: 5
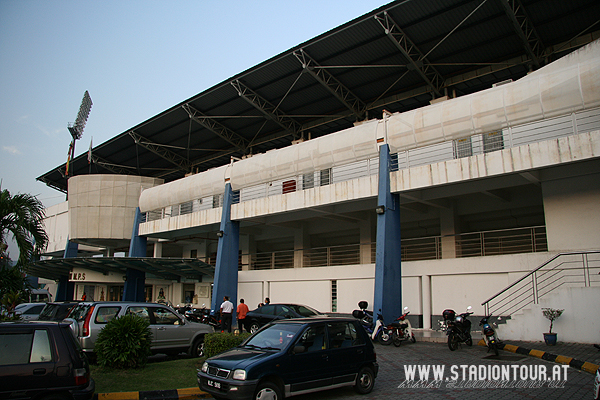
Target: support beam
x: 415, y: 57
x: 117, y: 169
x: 226, y: 271
x: 66, y: 289
x: 161, y: 151
x: 218, y: 129
x: 268, y: 109
x: 337, y: 89
x: 135, y: 279
x: 388, y: 269
x: 524, y: 29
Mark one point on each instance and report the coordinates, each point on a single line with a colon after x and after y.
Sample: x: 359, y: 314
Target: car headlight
x: 205, y: 367
x: 239, y: 375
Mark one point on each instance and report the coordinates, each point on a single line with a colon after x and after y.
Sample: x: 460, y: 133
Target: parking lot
x: 391, y: 381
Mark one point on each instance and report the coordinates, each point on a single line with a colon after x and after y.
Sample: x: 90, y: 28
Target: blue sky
x: 136, y: 58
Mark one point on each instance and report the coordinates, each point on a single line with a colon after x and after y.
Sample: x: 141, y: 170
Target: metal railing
x: 500, y: 242
x: 577, y: 269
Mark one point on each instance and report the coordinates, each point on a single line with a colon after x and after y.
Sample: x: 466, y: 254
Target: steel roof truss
x: 341, y: 92
x: 161, y: 151
x: 415, y: 57
x: 525, y: 30
x: 215, y: 127
x: 265, y: 107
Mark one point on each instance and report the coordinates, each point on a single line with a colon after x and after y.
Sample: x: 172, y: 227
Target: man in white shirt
x: 226, y: 310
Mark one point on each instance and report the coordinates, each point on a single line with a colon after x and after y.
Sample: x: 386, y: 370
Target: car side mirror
x: 299, y: 349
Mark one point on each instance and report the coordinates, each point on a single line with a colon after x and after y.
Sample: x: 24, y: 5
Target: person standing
x: 226, y: 310
x: 242, y: 310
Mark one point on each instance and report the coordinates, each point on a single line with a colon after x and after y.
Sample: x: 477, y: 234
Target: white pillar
x: 426, y: 300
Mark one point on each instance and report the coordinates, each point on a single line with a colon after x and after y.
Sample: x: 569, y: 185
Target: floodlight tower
x: 76, y: 128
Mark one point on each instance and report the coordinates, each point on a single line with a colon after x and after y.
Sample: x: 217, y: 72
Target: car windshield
x: 273, y: 337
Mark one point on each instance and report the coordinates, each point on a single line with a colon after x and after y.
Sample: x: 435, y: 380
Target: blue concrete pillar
x: 388, y: 271
x: 135, y: 280
x: 226, y: 271
x: 66, y: 290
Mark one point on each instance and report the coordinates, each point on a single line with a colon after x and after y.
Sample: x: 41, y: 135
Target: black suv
x: 42, y: 360
x: 294, y: 356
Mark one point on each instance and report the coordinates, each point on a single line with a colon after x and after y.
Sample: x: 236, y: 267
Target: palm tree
x: 22, y: 215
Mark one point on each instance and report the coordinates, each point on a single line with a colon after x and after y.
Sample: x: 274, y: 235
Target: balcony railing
x: 500, y: 242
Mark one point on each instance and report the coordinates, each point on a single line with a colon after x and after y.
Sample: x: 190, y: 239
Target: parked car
x: 42, y: 360
x: 293, y: 356
x: 57, y: 310
x: 271, y: 312
x: 29, y: 311
x: 171, y: 332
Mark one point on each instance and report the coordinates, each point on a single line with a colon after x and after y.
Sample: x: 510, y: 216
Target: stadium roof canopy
x: 398, y: 57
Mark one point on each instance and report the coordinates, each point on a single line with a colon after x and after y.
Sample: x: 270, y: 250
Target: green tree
x: 22, y: 215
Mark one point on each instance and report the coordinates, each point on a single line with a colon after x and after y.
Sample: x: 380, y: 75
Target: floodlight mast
x: 77, y: 127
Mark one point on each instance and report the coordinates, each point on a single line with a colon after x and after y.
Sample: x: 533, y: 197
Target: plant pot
x: 550, y: 339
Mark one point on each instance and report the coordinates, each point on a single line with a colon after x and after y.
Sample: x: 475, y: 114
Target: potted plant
x: 552, y: 314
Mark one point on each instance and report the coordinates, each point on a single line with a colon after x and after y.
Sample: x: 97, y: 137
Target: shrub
x: 215, y: 343
x: 124, y: 342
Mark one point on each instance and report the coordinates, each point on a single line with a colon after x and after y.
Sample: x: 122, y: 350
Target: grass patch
x: 173, y: 374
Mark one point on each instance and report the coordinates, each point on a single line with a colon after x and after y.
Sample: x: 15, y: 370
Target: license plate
x: 216, y: 385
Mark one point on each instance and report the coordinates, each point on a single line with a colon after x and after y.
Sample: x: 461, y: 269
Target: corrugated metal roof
x: 470, y: 44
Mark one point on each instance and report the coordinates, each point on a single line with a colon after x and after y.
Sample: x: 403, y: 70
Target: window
x: 462, y: 148
x: 267, y: 310
x: 325, y: 178
x: 40, y: 351
x: 106, y: 314
x: 23, y: 348
x: 139, y: 311
x: 343, y: 334
x: 165, y: 317
x: 333, y: 296
x: 492, y: 141
x: 313, y: 339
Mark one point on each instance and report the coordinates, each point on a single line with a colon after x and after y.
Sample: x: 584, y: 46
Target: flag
x: 69, y: 156
x: 90, y: 152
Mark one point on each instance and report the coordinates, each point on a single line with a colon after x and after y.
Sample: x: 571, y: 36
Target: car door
x: 144, y: 312
x: 346, y: 350
x: 171, y: 331
x: 265, y: 314
x: 308, y: 364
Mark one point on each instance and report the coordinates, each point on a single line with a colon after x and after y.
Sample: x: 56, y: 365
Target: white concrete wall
x: 103, y: 206
x: 56, y: 224
x: 572, y: 210
x: 579, y: 322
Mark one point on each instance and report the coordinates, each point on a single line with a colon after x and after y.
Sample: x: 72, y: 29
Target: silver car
x: 171, y: 332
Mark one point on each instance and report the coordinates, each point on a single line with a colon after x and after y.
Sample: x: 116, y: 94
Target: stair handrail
x: 485, y: 304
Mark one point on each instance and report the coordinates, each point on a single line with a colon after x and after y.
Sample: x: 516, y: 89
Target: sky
x: 136, y: 58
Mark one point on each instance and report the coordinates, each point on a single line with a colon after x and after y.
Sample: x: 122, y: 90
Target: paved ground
x: 575, y: 382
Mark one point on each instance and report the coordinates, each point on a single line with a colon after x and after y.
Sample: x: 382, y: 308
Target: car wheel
x: 254, y: 326
x: 365, y: 380
x: 268, y: 391
x: 198, y: 347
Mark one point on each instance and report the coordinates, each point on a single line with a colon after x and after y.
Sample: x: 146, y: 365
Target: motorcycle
x: 380, y: 331
x: 459, y: 328
x: 401, y: 329
x: 489, y: 334
x: 365, y: 316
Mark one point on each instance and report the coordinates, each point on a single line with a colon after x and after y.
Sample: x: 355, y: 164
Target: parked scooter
x: 459, y: 328
x: 380, y: 331
x: 364, y: 316
x: 401, y: 329
x: 489, y: 334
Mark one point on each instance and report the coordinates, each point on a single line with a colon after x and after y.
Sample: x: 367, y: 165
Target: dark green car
x: 291, y: 357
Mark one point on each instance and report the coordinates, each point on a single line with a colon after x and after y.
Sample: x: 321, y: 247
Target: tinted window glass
x: 306, y: 311
x: 15, y: 348
x: 35, y: 309
x: 267, y: 310
x: 276, y: 336
x: 343, y: 334
x: 106, y: 314
x: 313, y: 339
x: 79, y: 313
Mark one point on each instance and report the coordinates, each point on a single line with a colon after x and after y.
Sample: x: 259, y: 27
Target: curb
x: 173, y: 394
x: 544, y: 355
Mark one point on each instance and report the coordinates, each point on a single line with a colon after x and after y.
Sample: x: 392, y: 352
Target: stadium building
x: 431, y: 154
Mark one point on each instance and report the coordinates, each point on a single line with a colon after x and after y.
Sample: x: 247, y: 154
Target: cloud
x: 11, y: 149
